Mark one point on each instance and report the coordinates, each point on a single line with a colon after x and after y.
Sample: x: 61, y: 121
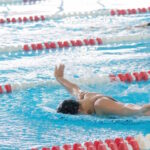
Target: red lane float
x: 112, y: 12
x: 5, y: 88
x: 119, y: 12
x: 74, y: 43
x: 23, y: 19
x: 62, y: 44
x: 131, y: 77
x: 126, y: 78
x: 109, y: 144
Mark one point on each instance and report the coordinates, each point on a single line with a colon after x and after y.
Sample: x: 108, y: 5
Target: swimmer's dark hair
x: 148, y: 24
x: 68, y: 107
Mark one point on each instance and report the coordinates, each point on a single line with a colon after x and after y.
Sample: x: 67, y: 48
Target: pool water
x: 28, y: 117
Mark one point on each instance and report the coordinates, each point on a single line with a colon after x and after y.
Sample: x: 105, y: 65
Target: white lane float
x: 100, y: 12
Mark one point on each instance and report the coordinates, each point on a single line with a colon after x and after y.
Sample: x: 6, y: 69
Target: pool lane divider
x: 31, y: 1
x: 23, y: 19
x: 129, y: 143
x: 74, y: 43
x: 19, y: 2
x: 62, y: 44
x: 125, y: 78
x: 112, y: 12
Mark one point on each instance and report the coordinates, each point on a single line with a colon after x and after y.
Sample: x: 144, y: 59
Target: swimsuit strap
x: 112, y: 99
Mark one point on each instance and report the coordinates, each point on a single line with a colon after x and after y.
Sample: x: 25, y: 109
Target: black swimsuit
x: 112, y: 99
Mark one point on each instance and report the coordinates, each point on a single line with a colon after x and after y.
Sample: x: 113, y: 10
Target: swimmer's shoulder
x: 81, y: 94
x: 85, y: 94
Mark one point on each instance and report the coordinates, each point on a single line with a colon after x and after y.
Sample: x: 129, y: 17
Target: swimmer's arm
x: 115, y: 108
x: 71, y: 87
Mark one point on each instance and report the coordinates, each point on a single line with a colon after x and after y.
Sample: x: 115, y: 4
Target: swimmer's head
x: 68, y: 107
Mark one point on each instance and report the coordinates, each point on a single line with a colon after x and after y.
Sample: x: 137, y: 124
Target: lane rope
x: 108, y: 12
x: 74, y: 43
x: 13, y: 20
x: 138, y: 142
x: 125, y: 78
x: 19, y: 2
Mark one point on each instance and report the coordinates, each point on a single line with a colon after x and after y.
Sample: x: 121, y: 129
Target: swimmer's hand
x: 59, y: 74
x: 59, y: 71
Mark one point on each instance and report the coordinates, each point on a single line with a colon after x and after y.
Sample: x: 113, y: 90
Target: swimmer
x: 144, y: 25
x: 139, y: 26
x: 128, y: 28
x: 94, y: 103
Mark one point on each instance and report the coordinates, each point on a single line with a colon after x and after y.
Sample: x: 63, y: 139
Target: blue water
x: 28, y: 117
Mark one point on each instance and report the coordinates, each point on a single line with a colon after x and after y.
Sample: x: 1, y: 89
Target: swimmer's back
x: 92, y: 98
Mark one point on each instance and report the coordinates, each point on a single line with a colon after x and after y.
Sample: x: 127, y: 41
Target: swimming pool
x: 28, y: 117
